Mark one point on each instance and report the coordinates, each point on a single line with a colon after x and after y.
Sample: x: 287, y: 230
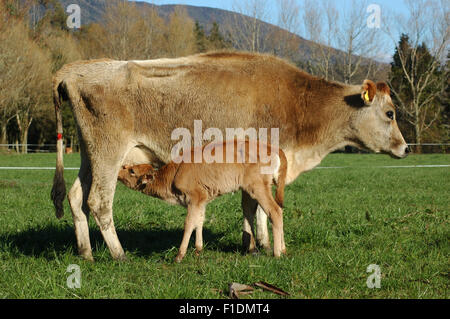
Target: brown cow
x: 194, y: 185
x: 128, y: 109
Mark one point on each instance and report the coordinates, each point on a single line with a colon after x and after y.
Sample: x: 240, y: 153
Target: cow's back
x: 150, y: 99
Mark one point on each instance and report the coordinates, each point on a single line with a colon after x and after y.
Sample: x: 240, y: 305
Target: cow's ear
x: 383, y: 88
x: 369, y: 89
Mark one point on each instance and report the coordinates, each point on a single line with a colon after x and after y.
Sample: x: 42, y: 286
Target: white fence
x: 51, y: 148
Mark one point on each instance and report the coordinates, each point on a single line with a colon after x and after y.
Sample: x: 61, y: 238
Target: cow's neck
x: 331, y: 131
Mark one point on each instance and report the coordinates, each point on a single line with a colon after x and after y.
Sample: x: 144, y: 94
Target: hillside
x: 92, y: 11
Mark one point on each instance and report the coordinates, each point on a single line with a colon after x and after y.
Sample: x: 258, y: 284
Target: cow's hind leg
x: 262, y: 233
x: 275, y: 213
x: 100, y: 201
x: 80, y: 212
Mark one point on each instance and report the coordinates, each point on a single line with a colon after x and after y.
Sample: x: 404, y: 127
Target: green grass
x: 337, y: 222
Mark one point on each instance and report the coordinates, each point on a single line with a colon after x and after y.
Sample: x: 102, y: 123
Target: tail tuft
x: 58, y: 193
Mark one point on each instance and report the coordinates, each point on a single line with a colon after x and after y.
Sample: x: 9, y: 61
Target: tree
x: 201, y: 41
x: 24, y: 77
x: 418, y: 77
x: 245, y: 28
x: 216, y: 41
x: 418, y: 97
x: 180, y: 34
x: 283, y: 41
x: 320, y: 26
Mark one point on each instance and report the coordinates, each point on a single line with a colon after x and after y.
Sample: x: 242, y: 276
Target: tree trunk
x: 24, y: 125
x: 24, y: 140
x: 3, y: 136
x: 418, y: 133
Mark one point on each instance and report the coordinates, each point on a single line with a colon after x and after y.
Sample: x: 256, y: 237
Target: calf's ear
x: 368, y: 91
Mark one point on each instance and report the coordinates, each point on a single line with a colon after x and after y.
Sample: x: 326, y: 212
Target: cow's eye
x: 390, y: 114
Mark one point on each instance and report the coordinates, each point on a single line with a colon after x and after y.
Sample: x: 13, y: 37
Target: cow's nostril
x: 407, y: 150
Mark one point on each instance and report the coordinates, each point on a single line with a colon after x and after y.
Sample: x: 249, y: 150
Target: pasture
x: 337, y: 222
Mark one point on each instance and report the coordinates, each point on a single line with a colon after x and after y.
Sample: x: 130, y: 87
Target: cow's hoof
x: 178, y: 258
x: 87, y: 257
x: 121, y: 257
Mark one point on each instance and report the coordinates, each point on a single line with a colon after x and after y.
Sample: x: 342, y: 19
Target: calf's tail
x: 281, y: 181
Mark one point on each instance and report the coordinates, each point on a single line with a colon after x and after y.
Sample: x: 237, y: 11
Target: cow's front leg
x: 101, y: 196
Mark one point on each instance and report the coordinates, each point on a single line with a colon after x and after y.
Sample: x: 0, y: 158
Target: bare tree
x: 153, y: 33
x: 360, y: 43
x: 123, y: 29
x: 246, y: 27
x: 428, y: 29
x: 320, y: 20
x: 180, y: 34
x: 24, y: 77
x: 284, y: 42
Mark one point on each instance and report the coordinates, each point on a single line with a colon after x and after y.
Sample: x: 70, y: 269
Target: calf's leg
x: 199, y: 231
x: 249, y: 206
x: 193, y: 220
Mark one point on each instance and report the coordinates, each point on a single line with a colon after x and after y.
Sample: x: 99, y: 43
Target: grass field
x: 337, y: 223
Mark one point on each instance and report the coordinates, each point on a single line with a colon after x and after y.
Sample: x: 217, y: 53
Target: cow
x: 195, y: 184
x: 128, y: 109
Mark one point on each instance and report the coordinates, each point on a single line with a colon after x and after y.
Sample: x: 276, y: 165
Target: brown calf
x: 194, y: 185
x: 129, y: 175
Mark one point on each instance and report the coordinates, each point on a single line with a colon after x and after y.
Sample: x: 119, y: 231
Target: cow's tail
x: 281, y: 180
x: 59, y: 187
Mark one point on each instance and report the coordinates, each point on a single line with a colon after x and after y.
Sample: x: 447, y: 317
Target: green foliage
x: 200, y: 37
x: 213, y: 41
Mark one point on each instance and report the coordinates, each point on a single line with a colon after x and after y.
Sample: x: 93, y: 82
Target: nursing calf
x: 194, y: 185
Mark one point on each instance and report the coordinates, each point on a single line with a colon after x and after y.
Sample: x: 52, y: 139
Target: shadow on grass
x: 53, y: 240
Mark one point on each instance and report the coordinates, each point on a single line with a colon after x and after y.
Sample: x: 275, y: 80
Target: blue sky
x: 396, y: 6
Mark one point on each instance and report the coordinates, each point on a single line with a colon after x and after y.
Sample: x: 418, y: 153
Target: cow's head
x: 374, y: 124
x: 130, y: 175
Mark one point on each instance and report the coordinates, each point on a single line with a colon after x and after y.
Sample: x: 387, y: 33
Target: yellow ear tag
x: 366, y: 96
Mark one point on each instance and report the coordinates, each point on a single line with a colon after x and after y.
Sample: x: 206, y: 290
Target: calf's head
x: 130, y: 175
x: 374, y: 124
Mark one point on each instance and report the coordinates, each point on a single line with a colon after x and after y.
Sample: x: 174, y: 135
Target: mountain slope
x: 93, y: 10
